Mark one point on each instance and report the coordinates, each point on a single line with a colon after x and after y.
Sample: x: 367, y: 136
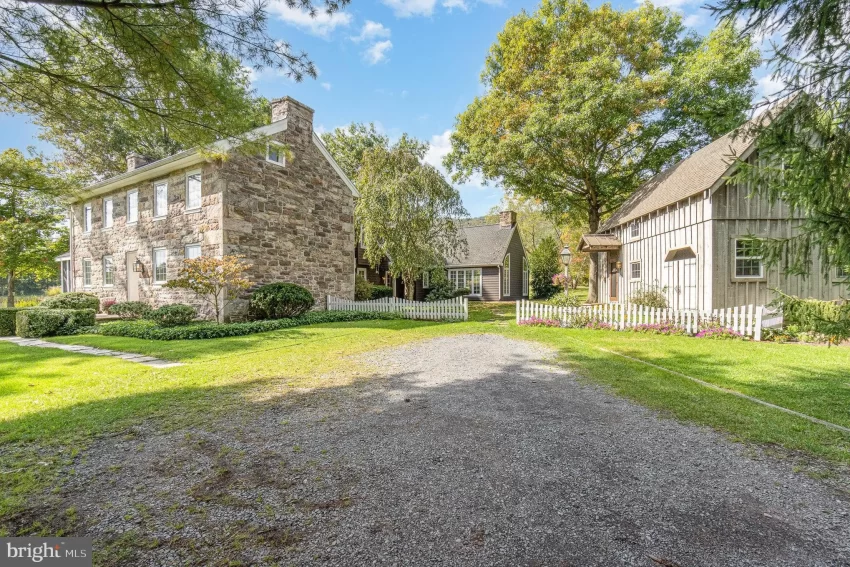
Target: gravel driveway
x: 469, y: 450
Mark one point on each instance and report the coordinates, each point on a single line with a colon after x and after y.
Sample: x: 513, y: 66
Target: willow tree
x: 583, y: 105
x: 407, y: 211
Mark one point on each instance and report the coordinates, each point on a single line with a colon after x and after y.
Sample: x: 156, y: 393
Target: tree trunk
x: 593, y: 282
x: 409, y: 285
x: 10, y: 290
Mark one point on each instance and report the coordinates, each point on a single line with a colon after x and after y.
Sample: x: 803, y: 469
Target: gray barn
x: 683, y: 230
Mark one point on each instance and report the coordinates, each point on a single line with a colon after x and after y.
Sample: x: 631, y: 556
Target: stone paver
x: 80, y: 349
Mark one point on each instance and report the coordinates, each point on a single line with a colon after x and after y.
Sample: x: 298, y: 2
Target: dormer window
x: 275, y: 153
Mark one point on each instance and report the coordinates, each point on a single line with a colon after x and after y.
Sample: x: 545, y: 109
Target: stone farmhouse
x: 289, y: 212
x: 494, y: 267
x: 686, y: 229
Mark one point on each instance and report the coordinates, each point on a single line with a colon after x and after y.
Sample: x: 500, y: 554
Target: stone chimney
x: 135, y: 161
x: 289, y: 108
x: 507, y: 219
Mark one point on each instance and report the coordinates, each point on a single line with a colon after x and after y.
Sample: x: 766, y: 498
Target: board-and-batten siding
x: 687, y: 282
x: 736, y: 215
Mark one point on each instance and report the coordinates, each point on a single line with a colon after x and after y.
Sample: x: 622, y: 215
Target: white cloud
x: 439, y: 147
x: 377, y: 52
x: 407, y: 8
x: 326, y: 86
x: 770, y: 86
x: 404, y: 94
x: 322, y: 24
x: 693, y: 20
x: 371, y: 30
x: 460, y: 4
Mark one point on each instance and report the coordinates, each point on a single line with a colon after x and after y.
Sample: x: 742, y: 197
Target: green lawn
x: 54, y: 403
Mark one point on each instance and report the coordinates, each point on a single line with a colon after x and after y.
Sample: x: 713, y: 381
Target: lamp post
x: 566, y: 257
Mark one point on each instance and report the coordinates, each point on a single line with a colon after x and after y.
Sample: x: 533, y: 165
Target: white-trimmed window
x: 193, y: 190
x: 361, y: 273
x: 275, y: 153
x: 634, y: 270
x: 86, y: 272
x: 108, y: 271
x: 107, y: 213
x: 160, y: 200
x: 506, y: 275
x: 426, y: 279
x: 748, y: 259
x: 160, y: 265
x: 524, y: 275
x: 469, y: 278
x: 132, y: 207
x: 87, y: 218
x: 842, y: 273
x: 192, y: 251
x: 634, y: 229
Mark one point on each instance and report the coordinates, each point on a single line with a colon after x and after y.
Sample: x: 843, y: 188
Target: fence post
x: 759, y: 317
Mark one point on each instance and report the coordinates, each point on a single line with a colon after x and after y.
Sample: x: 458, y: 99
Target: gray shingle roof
x: 486, y: 245
x: 689, y: 177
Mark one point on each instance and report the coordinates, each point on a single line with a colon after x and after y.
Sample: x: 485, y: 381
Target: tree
x: 535, y: 222
x: 162, y: 62
x: 217, y: 280
x: 30, y: 234
x: 407, y: 211
x: 805, y: 149
x: 543, y: 263
x: 348, y: 145
x: 583, y: 105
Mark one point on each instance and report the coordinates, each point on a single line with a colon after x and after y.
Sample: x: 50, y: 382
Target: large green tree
x: 407, y: 211
x: 30, y: 217
x: 582, y: 105
x: 349, y: 144
x: 172, y: 65
x: 805, y: 149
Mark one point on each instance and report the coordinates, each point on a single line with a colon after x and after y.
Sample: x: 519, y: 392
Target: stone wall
x: 292, y: 222
x: 173, y: 232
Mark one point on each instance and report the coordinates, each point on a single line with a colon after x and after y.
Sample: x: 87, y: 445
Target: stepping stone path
x: 128, y: 356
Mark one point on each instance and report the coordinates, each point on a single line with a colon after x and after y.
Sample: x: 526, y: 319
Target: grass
x: 53, y: 404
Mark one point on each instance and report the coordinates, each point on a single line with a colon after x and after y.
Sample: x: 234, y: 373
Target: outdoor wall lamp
x: 617, y: 267
x: 138, y: 267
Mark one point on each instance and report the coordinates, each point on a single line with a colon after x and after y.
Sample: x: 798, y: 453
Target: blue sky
x: 406, y: 65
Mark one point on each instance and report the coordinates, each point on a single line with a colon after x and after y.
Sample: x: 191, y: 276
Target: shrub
x: 599, y: 325
x: 564, y: 300
x: 217, y: 281
x: 130, y: 310
x: 73, y: 300
x: 7, y: 320
x: 106, y: 304
x: 53, y: 290
x: 381, y: 291
x: 719, y: 333
x: 543, y: 263
x: 280, y: 301
x: 362, y: 289
x: 819, y: 319
x: 172, y: 315
x: 445, y: 290
x: 205, y: 330
x: 538, y: 322
x: 659, y: 329
x: 47, y: 322
x: 650, y: 296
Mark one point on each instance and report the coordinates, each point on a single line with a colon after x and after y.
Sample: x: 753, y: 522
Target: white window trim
x: 640, y: 270
x: 472, y: 271
x: 129, y: 193
x: 91, y: 272
x: 103, y: 270
x: 282, y: 153
x: 153, y: 266
x: 426, y: 279
x: 111, y: 215
x: 195, y: 245
x: 524, y: 275
x: 361, y: 272
x: 87, y: 218
x: 201, y: 194
x: 735, y: 259
x: 633, y: 228
x: 506, y: 276
x: 165, y: 214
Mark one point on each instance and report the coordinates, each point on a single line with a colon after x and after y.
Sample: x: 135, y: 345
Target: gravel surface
x: 470, y: 450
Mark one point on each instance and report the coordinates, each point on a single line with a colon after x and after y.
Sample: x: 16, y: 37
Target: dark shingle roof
x: 486, y: 245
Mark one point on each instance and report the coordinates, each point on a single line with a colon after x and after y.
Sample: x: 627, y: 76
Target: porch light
x: 138, y: 267
x: 566, y: 255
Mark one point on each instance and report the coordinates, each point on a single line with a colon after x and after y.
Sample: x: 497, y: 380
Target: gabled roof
x: 599, y: 243
x: 195, y: 156
x: 486, y: 245
x: 691, y: 176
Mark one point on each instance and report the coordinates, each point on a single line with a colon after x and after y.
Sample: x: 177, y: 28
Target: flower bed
x: 538, y: 322
x: 719, y: 333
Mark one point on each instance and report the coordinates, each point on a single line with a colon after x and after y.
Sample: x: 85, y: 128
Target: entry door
x: 613, y: 282
x: 132, y: 278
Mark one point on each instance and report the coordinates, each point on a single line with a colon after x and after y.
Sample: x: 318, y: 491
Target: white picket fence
x: 746, y: 320
x: 456, y: 309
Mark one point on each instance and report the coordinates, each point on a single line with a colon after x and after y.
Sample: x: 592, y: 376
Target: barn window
x: 635, y: 229
x: 748, y: 259
x: 842, y: 273
x: 634, y: 270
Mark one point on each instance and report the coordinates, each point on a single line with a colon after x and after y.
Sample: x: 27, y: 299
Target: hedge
x: 72, y: 300
x: 280, y: 301
x: 32, y: 323
x: 149, y: 330
x: 7, y: 320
